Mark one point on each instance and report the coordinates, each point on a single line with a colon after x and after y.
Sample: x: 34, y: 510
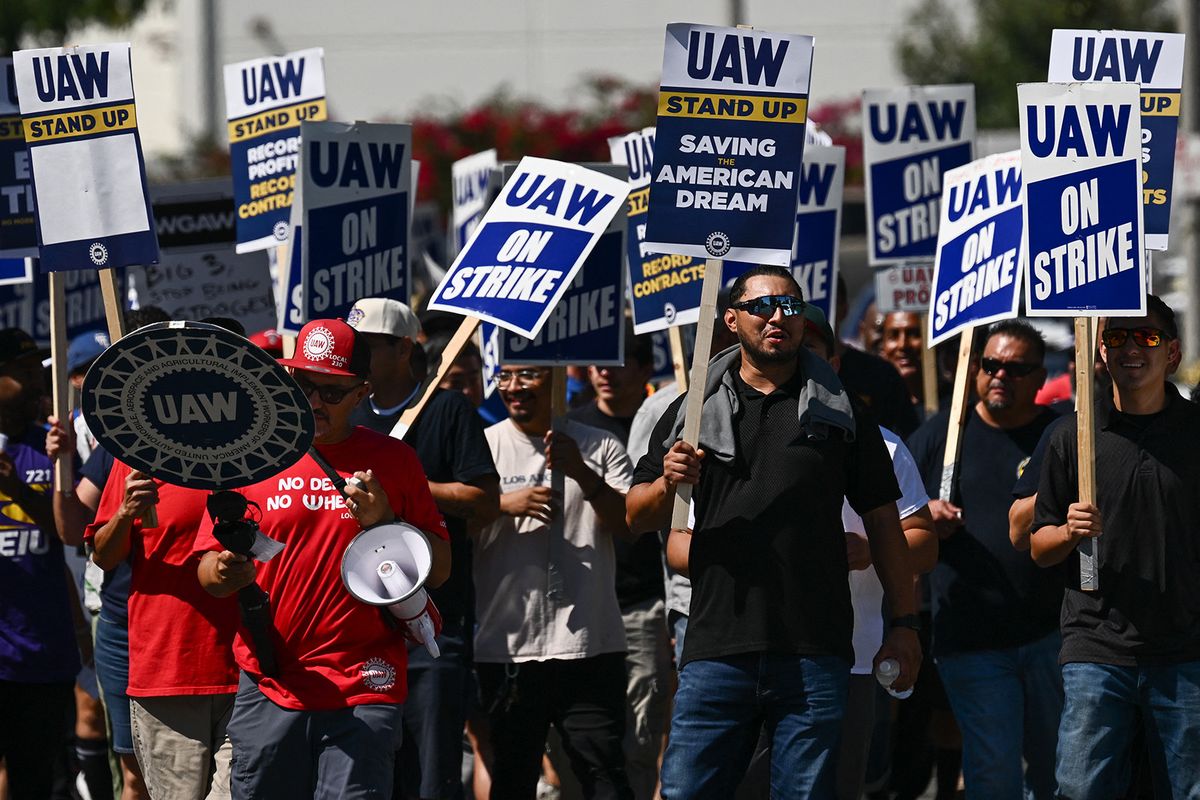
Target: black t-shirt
x: 114, y: 590
x: 768, y: 553
x: 1027, y: 481
x: 986, y: 595
x: 449, y: 441
x: 639, y: 563
x: 1147, y: 610
x: 879, y: 386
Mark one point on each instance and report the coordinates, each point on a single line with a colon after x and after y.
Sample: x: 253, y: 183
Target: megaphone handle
x: 150, y: 517
x: 428, y: 635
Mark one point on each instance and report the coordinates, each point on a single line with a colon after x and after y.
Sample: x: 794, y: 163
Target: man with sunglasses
x: 327, y: 722
x: 769, y: 636
x: 995, y: 614
x: 1134, y: 644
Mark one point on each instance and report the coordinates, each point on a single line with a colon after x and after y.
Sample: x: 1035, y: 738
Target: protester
x: 38, y: 655
x: 620, y: 392
x: 995, y: 614
x: 769, y: 637
x: 328, y: 724
x: 550, y: 645
x: 1133, y: 644
x: 448, y: 439
x: 901, y: 342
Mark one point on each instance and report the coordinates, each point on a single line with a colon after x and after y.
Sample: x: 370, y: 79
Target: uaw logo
x: 717, y: 244
x: 98, y: 253
x: 318, y: 344
x: 280, y: 231
x: 355, y: 316
x: 378, y: 675
x: 669, y: 312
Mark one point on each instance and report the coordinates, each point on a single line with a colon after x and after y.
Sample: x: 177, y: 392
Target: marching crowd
x: 587, y: 648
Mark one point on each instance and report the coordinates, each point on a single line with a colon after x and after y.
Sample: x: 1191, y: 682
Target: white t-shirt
x: 517, y: 620
x: 866, y: 592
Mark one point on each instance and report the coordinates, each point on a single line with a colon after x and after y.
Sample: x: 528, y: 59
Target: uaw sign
x: 18, y: 237
x: 980, y: 258
x: 731, y: 114
x: 911, y: 137
x: 469, y: 177
x: 1081, y: 165
x: 198, y: 406
x: 290, y: 267
x: 356, y: 211
x: 531, y: 243
x: 1155, y: 61
x: 588, y: 324
x: 819, y: 225
x: 85, y: 157
x: 266, y: 99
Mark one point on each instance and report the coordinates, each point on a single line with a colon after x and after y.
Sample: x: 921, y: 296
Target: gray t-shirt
x: 517, y: 620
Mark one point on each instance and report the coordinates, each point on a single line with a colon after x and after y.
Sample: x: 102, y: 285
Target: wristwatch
x: 911, y: 621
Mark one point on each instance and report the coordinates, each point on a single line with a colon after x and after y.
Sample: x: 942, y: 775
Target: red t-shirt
x: 180, y: 636
x: 333, y: 651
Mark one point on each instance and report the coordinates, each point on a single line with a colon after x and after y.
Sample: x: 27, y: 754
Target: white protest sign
x: 904, y: 287
x: 469, y: 179
x: 530, y: 244
x: 911, y: 137
x: 1081, y: 165
x: 85, y: 156
x: 1155, y: 61
x: 980, y: 258
x: 266, y: 99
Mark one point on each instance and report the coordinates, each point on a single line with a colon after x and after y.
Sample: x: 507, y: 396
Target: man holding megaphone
x: 327, y: 722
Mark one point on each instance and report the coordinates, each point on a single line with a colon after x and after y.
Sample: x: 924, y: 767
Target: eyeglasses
x: 766, y: 305
x: 328, y: 394
x: 524, y: 377
x: 1017, y: 369
x: 1142, y: 337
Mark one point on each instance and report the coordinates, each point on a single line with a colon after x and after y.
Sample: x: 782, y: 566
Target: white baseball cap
x: 383, y: 315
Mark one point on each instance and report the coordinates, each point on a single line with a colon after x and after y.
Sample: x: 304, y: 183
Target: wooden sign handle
x: 457, y: 342
x: 958, y: 415
x: 64, y: 473
x: 678, y: 357
x: 929, y: 374
x: 114, y: 313
x: 558, y: 485
x: 699, y: 376
x: 1089, y: 548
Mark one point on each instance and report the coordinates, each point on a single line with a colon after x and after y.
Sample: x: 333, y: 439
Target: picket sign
x: 958, y: 415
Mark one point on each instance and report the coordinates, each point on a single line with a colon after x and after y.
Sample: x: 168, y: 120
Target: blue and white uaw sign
x: 15, y: 270
x: 85, y: 157
x: 289, y: 271
x: 911, y: 137
x: 731, y: 114
x: 1081, y: 165
x: 819, y: 225
x: 665, y: 288
x: 18, y: 236
x: 588, y: 324
x: 357, y: 186
x: 530, y: 244
x: 469, y: 176
x: 980, y: 258
x: 1154, y: 60
x: 266, y: 99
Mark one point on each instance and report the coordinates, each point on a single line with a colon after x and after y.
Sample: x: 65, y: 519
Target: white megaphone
x: 387, y: 565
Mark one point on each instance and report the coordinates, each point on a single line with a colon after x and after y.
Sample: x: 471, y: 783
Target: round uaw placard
x: 196, y: 405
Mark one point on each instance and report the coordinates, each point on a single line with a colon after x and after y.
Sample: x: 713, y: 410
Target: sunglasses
x: 328, y: 394
x: 765, y: 306
x: 1142, y: 337
x: 1017, y: 369
x: 524, y: 377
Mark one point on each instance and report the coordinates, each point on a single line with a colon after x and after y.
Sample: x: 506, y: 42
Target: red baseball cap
x: 332, y: 347
x: 269, y: 340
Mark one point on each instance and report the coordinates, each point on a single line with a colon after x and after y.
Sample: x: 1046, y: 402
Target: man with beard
x: 995, y: 614
x: 769, y: 637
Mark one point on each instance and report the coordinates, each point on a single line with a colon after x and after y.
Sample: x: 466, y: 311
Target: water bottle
x: 886, y: 673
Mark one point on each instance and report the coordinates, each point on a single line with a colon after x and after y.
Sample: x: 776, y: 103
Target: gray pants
x: 181, y: 745
x: 286, y: 754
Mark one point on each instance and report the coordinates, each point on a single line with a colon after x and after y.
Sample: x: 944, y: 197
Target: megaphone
x: 387, y: 565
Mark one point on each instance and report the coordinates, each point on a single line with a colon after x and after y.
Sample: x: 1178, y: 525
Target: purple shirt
x: 37, y: 639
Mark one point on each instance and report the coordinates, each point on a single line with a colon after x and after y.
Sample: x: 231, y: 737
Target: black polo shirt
x: 1147, y: 610
x: 768, y: 556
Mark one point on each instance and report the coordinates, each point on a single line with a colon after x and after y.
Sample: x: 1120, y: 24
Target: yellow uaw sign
x: 267, y: 121
x: 75, y: 124
x: 753, y: 108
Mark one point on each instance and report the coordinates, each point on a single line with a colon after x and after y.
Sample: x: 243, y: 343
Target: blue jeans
x: 723, y: 703
x: 1098, y: 724
x: 1007, y: 704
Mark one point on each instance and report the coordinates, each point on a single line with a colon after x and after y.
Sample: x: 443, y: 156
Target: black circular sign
x: 196, y: 405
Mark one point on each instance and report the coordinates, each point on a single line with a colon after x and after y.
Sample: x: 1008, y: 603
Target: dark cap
x: 815, y: 322
x: 16, y: 344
